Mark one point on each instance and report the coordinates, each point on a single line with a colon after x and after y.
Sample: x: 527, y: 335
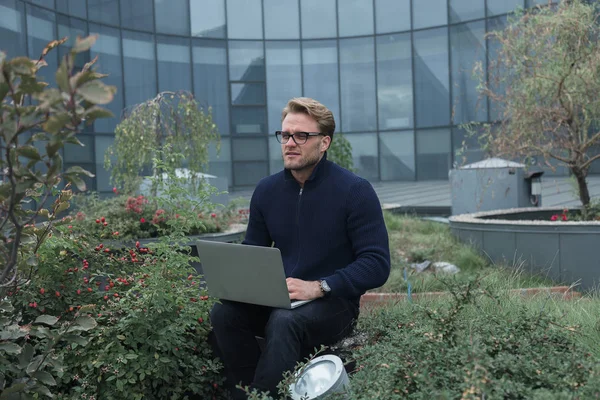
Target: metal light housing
x: 321, y: 377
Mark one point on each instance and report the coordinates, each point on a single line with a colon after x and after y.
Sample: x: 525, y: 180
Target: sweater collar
x: 316, y: 174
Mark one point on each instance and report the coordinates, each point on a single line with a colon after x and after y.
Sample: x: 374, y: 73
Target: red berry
x: 107, y: 288
x: 189, y: 277
x: 97, y: 221
x: 213, y: 215
x: 89, y: 289
x: 34, y: 304
x: 42, y: 291
x: 78, y: 291
x: 116, y: 294
x: 142, y: 220
x: 71, y: 309
x: 105, y: 224
x: 111, y: 284
x: 107, y: 250
x: 103, y: 219
x: 200, y: 320
x: 105, y: 297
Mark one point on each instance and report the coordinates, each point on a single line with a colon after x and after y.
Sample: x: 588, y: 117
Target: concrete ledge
x: 373, y: 300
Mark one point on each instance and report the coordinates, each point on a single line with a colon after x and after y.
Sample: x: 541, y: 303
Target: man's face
x: 304, y: 156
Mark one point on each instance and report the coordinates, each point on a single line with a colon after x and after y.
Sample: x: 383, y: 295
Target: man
x: 328, y: 225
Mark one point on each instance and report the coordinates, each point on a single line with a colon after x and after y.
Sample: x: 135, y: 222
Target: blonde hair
x: 313, y: 108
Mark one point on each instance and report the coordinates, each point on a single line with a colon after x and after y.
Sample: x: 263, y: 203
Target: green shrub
x: 340, y: 152
x: 150, y: 342
x: 475, y: 346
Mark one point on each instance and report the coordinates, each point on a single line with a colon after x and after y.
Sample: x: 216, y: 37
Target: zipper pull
x: 301, y: 189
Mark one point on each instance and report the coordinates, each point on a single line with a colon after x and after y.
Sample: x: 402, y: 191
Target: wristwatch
x: 325, y: 289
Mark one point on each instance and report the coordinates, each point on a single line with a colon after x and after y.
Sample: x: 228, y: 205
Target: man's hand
x: 303, y: 290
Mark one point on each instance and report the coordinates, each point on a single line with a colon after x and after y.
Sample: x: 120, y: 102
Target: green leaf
x: 2, y: 381
x: 22, y: 66
x: 10, y: 348
x: 84, y: 44
x: 25, y: 356
x: 77, y: 170
x: 95, y: 112
x: 16, y: 388
x: 30, y: 85
x: 96, y: 92
x: 121, y: 337
x: 56, y: 123
x: 62, y: 76
x: 6, y: 306
x: 131, y: 356
x: 86, y: 323
x: 53, y: 147
x: 4, y: 88
x: 44, y: 377
x: 35, y: 364
x: 77, y: 181
x: 29, y: 152
x: 46, y: 320
x: 41, y: 389
x: 76, y: 339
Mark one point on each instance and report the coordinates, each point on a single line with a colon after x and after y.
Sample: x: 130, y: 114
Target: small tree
x: 340, y: 152
x: 545, y: 80
x: 36, y: 121
x: 172, y: 120
x: 35, y: 116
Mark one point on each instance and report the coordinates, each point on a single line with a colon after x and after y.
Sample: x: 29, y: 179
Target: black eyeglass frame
x: 278, y: 136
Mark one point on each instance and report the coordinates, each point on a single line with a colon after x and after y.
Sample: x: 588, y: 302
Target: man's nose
x: 291, y: 142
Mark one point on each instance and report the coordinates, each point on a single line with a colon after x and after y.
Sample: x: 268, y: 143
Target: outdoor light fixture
x: 321, y: 377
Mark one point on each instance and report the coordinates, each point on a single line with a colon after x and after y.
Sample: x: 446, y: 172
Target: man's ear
x: 325, y: 143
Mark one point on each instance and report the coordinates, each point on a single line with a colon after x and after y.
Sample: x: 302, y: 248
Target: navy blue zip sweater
x: 330, y: 229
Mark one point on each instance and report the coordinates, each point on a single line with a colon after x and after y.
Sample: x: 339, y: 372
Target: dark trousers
x: 290, y: 335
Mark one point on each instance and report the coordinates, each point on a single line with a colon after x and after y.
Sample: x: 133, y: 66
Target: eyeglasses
x: 299, y: 137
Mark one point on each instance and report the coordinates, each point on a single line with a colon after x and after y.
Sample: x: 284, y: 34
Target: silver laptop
x: 244, y: 273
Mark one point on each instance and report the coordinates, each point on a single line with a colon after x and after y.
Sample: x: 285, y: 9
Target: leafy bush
x: 140, y: 217
x: 476, y: 346
x: 340, y: 152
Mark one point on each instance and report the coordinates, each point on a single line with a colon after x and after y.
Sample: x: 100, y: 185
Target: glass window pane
x: 283, y: 78
x: 41, y: 29
x: 43, y: 3
x: 320, y: 74
x: 246, y: 61
x: 210, y: 79
x: 172, y: 16
x: 397, y: 156
x: 76, y: 8
x: 433, y: 154
x: 281, y: 19
x: 173, y: 64
x: 105, y: 11
x: 249, y: 149
x: 431, y: 77
x: 139, y: 63
x: 429, y: 13
x: 364, y: 154
x: 318, y: 19
x: 12, y: 34
x: 394, y: 81
x: 108, y: 50
x: 467, y: 42
x: 249, y: 173
x: 464, y: 10
x: 219, y: 164
x: 137, y: 14
x: 208, y: 18
x: 102, y: 175
x: 503, y: 7
x: 392, y: 15
x: 248, y: 94
x: 244, y: 19
x: 275, y: 159
x: 357, y: 75
x: 78, y: 154
x: 249, y: 120
x: 356, y: 17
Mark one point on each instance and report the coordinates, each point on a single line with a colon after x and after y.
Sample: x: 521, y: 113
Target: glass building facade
x: 397, y: 74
